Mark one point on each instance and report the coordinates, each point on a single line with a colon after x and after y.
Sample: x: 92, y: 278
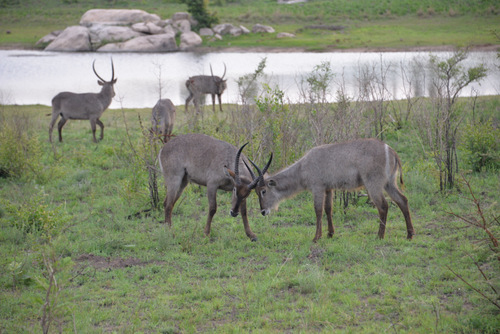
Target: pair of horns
x: 222, y: 78
x: 255, y: 180
x: 112, y: 71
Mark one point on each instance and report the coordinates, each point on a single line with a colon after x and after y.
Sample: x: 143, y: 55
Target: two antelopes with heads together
x: 206, y: 161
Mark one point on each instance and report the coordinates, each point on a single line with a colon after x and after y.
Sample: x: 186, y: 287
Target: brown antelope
x: 163, y: 118
x: 367, y: 163
x: 204, y: 160
x: 83, y: 106
x: 205, y: 84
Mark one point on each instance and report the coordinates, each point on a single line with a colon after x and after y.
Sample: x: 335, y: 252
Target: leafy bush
x: 481, y: 146
x: 35, y: 217
x: 198, y: 9
x: 19, y: 153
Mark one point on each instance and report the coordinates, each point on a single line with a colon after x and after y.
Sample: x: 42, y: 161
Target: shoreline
x: 263, y: 49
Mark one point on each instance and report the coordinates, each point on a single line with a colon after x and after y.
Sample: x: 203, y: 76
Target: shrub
x: 481, y: 147
x: 19, y: 153
x: 35, y: 217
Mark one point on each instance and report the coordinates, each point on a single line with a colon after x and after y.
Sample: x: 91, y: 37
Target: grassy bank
x: 122, y: 271
x: 399, y: 24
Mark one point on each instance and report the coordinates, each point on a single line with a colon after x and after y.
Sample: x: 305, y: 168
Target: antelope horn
x: 93, y: 67
x: 236, y: 164
x: 112, y: 70
x: 260, y: 179
x: 222, y: 78
x: 212, y: 72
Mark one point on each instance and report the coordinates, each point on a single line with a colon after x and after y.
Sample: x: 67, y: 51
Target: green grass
x: 389, y: 24
x: 131, y: 275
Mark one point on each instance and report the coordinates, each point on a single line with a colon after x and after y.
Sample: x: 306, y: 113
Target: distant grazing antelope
x: 205, y: 84
x: 83, y: 106
x: 205, y: 161
x: 163, y: 118
x: 345, y: 166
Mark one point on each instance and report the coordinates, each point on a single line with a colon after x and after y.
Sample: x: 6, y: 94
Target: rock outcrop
x: 134, y: 30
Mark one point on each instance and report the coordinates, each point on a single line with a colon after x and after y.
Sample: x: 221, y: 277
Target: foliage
x: 248, y: 84
x: 450, y: 77
x: 198, y: 9
x: 35, y: 217
x: 19, y: 151
x: 481, y: 146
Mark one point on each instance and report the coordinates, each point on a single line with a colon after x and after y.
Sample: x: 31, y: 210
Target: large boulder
x: 100, y: 34
x: 260, y: 28
x: 223, y: 28
x: 149, y: 43
x: 117, y: 17
x: 181, y: 25
x: 49, y: 38
x: 149, y: 28
x: 189, y: 40
x: 74, y: 38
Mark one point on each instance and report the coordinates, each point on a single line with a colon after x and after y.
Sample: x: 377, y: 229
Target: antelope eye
x: 263, y: 192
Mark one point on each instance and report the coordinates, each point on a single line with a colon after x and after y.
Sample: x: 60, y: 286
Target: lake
x: 35, y: 77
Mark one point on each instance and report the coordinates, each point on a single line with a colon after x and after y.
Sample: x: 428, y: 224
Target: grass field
x: 119, y: 271
x: 384, y: 24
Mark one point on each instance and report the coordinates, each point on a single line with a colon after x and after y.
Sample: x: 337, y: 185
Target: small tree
x: 449, y: 78
x: 198, y: 9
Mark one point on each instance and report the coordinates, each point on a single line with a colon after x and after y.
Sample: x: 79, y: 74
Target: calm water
x: 34, y: 77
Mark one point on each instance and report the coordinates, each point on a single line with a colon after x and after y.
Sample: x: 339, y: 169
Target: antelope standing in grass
x: 205, y: 84
x: 205, y: 161
x: 367, y: 163
x: 83, y: 106
x: 163, y: 118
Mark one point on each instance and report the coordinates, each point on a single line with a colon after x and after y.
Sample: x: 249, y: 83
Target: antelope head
x: 103, y: 82
x: 220, y: 83
x: 242, y: 185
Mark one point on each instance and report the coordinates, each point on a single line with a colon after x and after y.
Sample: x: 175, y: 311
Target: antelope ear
x: 114, y: 81
x: 229, y: 172
x: 100, y: 82
x: 271, y: 183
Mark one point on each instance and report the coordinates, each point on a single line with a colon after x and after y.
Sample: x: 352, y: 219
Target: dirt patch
x: 101, y: 262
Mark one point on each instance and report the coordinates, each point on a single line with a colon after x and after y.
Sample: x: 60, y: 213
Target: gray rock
x: 206, y: 32
x: 223, y: 28
x: 189, y: 40
x: 151, y: 43
x: 180, y: 16
x: 117, y: 17
x: 74, y: 38
x: 48, y: 38
x: 260, y: 28
x: 182, y: 25
x: 285, y: 35
x: 101, y: 34
x: 148, y: 28
x: 244, y: 30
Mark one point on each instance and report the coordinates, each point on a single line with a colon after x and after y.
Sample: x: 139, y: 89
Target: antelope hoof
x: 330, y: 235
x: 254, y: 239
x: 233, y: 214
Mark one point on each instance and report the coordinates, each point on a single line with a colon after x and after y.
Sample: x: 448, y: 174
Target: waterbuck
x: 205, y: 84
x: 367, y: 163
x: 83, y: 106
x: 205, y: 161
x: 163, y: 118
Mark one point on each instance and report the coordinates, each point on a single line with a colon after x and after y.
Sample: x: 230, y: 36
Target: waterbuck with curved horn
x: 367, y: 163
x: 205, y: 84
x: 83, y: 106
x: 205, y: 161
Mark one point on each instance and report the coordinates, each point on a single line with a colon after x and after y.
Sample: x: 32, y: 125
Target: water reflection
x: 34, y: 77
